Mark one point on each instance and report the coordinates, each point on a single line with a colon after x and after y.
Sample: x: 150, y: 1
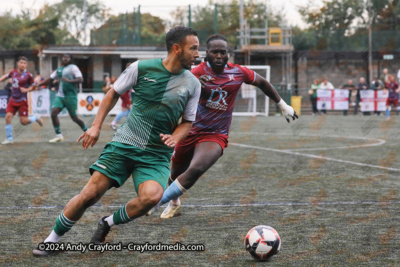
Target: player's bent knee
x: 151, y: 200
x: 150, y: 193
x: 25, y: 121
x: 9, y: 117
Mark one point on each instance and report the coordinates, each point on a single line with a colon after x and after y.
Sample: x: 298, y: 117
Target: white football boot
x: 170, y: 210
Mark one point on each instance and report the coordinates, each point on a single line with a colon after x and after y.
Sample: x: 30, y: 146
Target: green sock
x: 63, y: 225
x: 84, y: 128
x: 57, y: 129
x: 120, y: 216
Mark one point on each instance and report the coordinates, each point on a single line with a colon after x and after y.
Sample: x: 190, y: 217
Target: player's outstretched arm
x: 77, y: 80
x: 271, y: 92
x: 179, y: 134
x: 45, y: 82
x: 91, y: 136
x: 29, y: 89
x: 3, y: 78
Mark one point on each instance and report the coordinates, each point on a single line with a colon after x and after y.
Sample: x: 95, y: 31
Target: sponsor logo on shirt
x: 182, y: 90
x: 220, y: 103
x: 231, y: 77
x: 150, y: 80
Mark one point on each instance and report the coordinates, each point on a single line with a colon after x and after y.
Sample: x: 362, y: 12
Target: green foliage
x: 54, y: 25
x: 123, y: 30
x: 343, y: 25
x: 255, y: 12
x: 22, y: 32
x: 71, y: 15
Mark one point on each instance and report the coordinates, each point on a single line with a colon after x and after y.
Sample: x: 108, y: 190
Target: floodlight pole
x: 241, y: 23
x: 370, y: 17
x: 190, y: 17
x: 84, y: 21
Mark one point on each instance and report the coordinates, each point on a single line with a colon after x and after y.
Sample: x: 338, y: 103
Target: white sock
x: 183, y: 190
x: 59, y: 135
x: 110, y: 220
x: 53, y: 238
x: 175, y: 201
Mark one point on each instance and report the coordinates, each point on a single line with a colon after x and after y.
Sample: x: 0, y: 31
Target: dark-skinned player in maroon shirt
x: 208, y: 137
x: 22, y: 83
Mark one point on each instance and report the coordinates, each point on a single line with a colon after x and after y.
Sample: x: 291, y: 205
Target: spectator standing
x: 351, y: 87
x: 385, y: 76
x: 362, y: 85
x: 313, y: 96
x: 326, y: 86
x: 377, y: 85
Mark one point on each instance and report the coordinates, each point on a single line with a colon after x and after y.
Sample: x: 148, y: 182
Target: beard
x: 218, y: 65
x: 186, y: 64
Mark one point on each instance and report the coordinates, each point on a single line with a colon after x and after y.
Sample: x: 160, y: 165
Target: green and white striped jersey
x: 161, y: 98
x: 70, y: 72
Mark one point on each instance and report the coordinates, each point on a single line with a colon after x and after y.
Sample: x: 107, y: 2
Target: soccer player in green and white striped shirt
x: 165, y: 91
x: 67, y: 97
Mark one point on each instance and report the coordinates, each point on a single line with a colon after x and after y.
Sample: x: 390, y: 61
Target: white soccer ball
x: 262, y: 242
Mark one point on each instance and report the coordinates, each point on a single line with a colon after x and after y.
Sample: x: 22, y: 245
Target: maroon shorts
x: 126, y: 99
x: 184, y: 149
x: 22, y: 107
x: 395, y: 102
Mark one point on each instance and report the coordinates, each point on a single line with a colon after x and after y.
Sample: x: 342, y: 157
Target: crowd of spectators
x: 385, y: 82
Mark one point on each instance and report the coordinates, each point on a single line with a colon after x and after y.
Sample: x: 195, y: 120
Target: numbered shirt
x: 392, y: 87
x: 217, y: 100
x: 71, y: 72
x: 23, y: 79
x: 161, y: 98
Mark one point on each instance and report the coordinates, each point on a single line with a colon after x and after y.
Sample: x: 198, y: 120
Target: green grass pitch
x: 328, y: 185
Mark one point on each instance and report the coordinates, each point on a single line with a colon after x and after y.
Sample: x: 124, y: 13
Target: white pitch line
x: 380, y: 142
x: 211, y: 205
x: 317, y: 157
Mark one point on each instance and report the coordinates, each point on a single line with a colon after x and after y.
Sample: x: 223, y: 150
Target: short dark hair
x: 177, y: 34
x: 215, y: 37
x: 22, y: 58
x: 71, y: 58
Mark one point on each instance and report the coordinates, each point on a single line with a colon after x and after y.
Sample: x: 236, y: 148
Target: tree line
x: 335, y: 25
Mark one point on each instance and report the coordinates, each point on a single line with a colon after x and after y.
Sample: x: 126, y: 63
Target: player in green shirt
x: 68, y: 75
x: 165, y: 91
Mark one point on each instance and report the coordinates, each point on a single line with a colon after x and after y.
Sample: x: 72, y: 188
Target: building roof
x: 122, y: 51
x: 266, y: 48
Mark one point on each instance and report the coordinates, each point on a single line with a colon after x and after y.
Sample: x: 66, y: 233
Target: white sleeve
x: 191, y: 107
x: 54, y: 75
x: 127, y: 79
x: 75, y: 70
x: 398, y: 74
